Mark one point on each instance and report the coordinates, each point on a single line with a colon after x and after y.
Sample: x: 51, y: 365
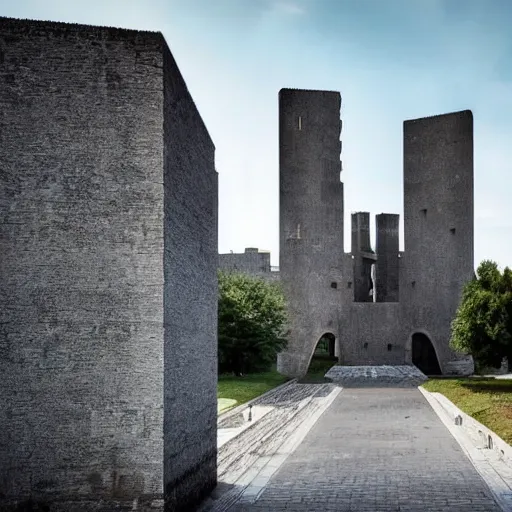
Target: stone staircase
x: 278, y: 414
x: 404, y: 376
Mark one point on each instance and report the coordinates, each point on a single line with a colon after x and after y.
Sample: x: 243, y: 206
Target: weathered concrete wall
x: 438, y: 220
x: 370, y: 334
x: 387, y: 249
x: 81, y: 153
x: 190, y: 298
x: 311, y: 218
x: 82, y: 158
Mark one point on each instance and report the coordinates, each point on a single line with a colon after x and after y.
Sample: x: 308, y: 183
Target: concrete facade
x: 373, y: 301
x: 252, y: 261
x: 108, y: 257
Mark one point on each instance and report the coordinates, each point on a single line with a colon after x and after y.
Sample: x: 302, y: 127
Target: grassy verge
x: 487, y: 400
x: 320, y: 364
x: 245, y: 388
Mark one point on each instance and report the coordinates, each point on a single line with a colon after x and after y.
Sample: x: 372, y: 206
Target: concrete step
x: 403, y: 376
x: 246, y: 450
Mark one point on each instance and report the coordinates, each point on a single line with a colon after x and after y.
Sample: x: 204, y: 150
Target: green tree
x: 252, y: 316
x: 482, y: 326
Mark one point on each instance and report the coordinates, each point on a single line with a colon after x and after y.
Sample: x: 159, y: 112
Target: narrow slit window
x: 452, y: 231
x: 300, y: 123
x: 424, y: 212
x: 389, y: 347
x: 334, y: 285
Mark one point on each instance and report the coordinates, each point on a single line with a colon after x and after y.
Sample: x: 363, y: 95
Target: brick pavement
x: 383, y: 376
x: 376, y: 450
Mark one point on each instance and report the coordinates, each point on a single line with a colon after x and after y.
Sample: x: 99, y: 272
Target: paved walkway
x: 375, y: 450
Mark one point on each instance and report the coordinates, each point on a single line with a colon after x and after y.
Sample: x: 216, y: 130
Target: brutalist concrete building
x: 383, y: 306
x: 108, y: 261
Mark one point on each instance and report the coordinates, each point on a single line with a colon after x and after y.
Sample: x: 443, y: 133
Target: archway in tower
x: 424, y: 355
x: 323, y: 356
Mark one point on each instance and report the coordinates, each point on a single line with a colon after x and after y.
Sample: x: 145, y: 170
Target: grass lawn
x: 245, y: 388
x: 320, y: 364
x: 487, y: 400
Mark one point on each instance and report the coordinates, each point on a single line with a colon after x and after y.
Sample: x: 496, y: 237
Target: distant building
x: 253, y: 261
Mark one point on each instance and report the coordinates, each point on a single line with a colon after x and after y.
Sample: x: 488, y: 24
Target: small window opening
x: 334, y: 285
x: 349, y: 284
x: 452, y: 231
x: 300, y: 123
x: 389, y: 347
x: 413, y: 284
x: 365, y: 345
x: 424, y: 212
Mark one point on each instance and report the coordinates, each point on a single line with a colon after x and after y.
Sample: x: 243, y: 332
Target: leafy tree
x: 483, y: 324
x: 252, y: 315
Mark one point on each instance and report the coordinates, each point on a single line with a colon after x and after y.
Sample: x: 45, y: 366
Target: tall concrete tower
x: 311, y: 218
x: 387, y: 248
x: 438, y: 218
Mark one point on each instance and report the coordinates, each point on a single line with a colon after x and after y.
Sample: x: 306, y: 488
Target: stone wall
x: 83, y: 285
x: 190, y: 298
x: 369, y: 334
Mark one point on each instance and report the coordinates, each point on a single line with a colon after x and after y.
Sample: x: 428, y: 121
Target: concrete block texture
x: 91, y: 245
x: 190, y: 298
x: 438, y: 223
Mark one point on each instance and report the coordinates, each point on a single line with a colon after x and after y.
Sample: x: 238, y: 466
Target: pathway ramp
x: 376, y: 446
x: 379, y: 449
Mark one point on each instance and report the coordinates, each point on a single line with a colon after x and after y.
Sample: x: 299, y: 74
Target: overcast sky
x: 391, y: 60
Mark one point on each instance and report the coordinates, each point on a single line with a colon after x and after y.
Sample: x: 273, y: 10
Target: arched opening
x: 424, y: 355
x: 326, y: 345
x: 323, y: 357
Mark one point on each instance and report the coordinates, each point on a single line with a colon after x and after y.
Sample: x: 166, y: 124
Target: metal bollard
x: 250, y: 412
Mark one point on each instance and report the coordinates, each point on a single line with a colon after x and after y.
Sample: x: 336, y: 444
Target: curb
x: 481, y: 435
x: 492, y: 469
